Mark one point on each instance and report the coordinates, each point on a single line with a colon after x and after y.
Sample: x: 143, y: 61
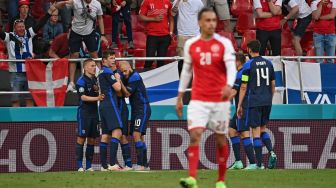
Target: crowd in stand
x: 85, y: 28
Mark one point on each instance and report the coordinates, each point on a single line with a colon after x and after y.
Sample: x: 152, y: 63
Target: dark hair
x: 108, y: 53
x: 240, y: 57
x: 86, y: 61
x: 254, y: 45
x: 203, y: 10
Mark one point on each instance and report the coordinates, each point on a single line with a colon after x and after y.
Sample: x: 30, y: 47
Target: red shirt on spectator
x: 153, y: 8
x: 324, y: 26
x: 60, y: 45
x: 267, y: 24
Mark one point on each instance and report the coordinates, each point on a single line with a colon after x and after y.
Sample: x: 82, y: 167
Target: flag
x: 47, y: 82
x: 162, y: 84
x: 279, y: 83
x: 318, y: 83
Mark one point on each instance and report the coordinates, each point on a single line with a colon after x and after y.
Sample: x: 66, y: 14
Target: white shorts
x: 212, y: 115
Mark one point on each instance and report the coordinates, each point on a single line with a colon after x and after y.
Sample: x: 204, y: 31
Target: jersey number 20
x: 205, y: 58
x: 262, y: 73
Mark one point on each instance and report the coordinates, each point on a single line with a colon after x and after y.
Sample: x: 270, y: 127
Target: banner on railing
x: 318, y: 82
x: 279, y: 82
x: 162, y: 84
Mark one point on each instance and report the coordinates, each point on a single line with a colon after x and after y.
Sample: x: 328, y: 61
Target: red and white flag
x: 47, y: 82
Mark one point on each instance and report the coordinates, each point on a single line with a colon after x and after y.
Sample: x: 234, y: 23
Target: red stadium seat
x: 230, y: 36
x: 247, y: 37
x: 288, y: 52
x: 241, y: 6
x: 307, y: 41
x: 3, y: 65
x: 246, y: 21
x: 136, y: 24
x: 286, y: 39
x: 2, y: 46
x: 139, y: 39
x: 139, y: 53
x: 107, y: 24
x: 311, y: 52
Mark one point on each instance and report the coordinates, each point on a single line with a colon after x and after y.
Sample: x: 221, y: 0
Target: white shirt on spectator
x: 27, y: 46
x: 316, y: 2
x: 187, y: 23
x: 80, y: 24
x: 304, y: 9
x: 257, y: 3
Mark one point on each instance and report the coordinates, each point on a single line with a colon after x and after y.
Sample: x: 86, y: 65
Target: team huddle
x: 103, y: 97
x: 212, y: 62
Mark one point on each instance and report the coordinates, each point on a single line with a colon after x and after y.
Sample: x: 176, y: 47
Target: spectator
x: 12, y: 8
x: 23, y: 8
x: 187, y: 23
x: 52, y: 28
x: 222, y: 9
x: 60, y: 46
x: 324, y: 12
x: 65, y: 14
x: 19, y: 45
x: 123, y: 7
x: 268, y: 24
x: 159, y: 28
x: 304, y: 17
x: 86, y: 12
x: 84, y: 53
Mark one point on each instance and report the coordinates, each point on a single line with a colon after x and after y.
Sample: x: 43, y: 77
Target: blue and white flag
x: 318, y: 83
x: 279, y: 83
x: 162, y: 84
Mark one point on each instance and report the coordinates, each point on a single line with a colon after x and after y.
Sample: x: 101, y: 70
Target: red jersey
x: 267, y: 24
x: 60, y: 45
x: 153, y: 8
x: 213, y: 66
x: 324, y: 26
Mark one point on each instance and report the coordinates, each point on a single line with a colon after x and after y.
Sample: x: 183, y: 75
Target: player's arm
x: 329, y: 16
x: 185, y: 78
x: 259, y: 11
x: 231, y: 70
x: 243, y: 88
x: 84, y: 96
x: 112, y: 79
x: 275, y: 8
x: 123, y: 88
x: 272, y: 78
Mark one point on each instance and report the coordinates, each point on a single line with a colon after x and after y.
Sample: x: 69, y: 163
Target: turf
x: 169, y: 179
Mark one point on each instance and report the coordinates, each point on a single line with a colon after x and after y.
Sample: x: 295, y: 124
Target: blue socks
x: 145, y: 160
x: 139, y: 145
x: 249, y: 149
x: 258, y: 150
x: 126, y: 153
x: 114, y: 143
x: 267, y: 141
x: 79, y: 155
x: 89, y: 155
x: 103, y: 154
x: 236, y: 147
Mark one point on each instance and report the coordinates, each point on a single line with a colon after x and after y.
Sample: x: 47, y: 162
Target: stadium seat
x: 3, y: 65
x: 286, y: 39
x: 241, y: 6
x: 107, y: 24
x: 247, y: 37
x: 139, y: 39
x: 311, y: 52
x: 230, y: 36
x: 139, y: 53
x: 307, y: 41
x: 136, y: 24
x: 2, y: 46
x: 288, y: 52
x: 246, y: 21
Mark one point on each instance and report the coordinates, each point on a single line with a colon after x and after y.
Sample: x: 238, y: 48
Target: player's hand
x: 101, y: 97
x: 179, y: 108
x: 104, y: 40
x: 122, y: 4
x: 239, y: 112
x: 226, y: 93
x: 158, y: 18
x: 61, y: 4
x: 117, y: 76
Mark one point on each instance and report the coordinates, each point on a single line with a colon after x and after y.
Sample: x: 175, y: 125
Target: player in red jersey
x: 210, y: 59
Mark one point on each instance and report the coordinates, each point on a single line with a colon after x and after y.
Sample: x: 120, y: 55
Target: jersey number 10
x: 205, y: 58
x: 262, y: 74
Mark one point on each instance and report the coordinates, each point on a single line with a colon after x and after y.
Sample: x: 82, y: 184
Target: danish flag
x: 47, y: 82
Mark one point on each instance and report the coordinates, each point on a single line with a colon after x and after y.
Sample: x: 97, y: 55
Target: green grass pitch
x: 169, y: 179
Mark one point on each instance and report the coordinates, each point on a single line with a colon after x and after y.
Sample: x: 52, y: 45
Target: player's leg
x: 248, y: 147
x: 114, y: 143
x: 126, y: 152
x: 265, y: 137
x: 254, y: 120
x: 222, y: 155
x: 143, y: 131
x: 79, y: 153
x: 105, y: 137
x: 75, y: 42
x: 145, y: 158
x: 235, y: 142
x: 82, y: 130
x: 90, y: 143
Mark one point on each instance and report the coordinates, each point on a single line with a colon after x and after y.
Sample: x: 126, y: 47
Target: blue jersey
x: 258, y: 73
x: 89, y: 87
x: 138, y: 99
x: 237, y: 84
x: 106, y: 80
x: 121, y: 100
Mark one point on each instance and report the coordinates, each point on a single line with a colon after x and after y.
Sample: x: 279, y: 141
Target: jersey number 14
x: 205, y: 58
x: 262, y: 73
